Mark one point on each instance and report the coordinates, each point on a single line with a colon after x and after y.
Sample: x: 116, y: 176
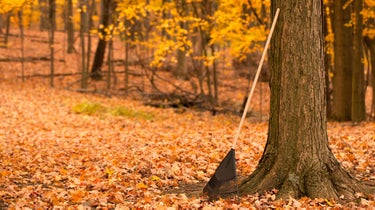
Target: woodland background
x: 180, y: 52
x: 101, y: 148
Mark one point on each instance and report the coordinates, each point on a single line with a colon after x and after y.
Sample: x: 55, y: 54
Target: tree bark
x: 358, y: 113
x: 1, y: 24
x: 370, y: 42
x: 297, y: 159
x: 327, y: 60
x: 373, y: 80
x: 342, y: 77
x: 20, y: 23
x: 43, y: 25
x: 180, y: 71
x: 70, y: 26
x: 7, y: 29
x: 84, y: 63
x: 52, y: 26
x: 107, y: 9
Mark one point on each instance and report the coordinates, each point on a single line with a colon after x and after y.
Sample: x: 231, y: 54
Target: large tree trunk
x: 297, y: 159
x: 342, y: 77
x: 358, y: 79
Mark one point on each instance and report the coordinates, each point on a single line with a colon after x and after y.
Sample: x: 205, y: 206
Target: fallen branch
x: 55, y: 75
x: 28, y: 59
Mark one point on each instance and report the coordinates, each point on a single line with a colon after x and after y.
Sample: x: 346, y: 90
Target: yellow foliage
x: 8, y: 5
x: 368, y: 18
x: 176, y: 24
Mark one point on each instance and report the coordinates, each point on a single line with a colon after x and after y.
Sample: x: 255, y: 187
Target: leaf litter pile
x: 64, y: 150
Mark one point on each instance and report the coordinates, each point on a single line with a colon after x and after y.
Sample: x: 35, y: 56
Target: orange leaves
x: 141, y: 185
x: 53, y: 158
x: 76, y: 196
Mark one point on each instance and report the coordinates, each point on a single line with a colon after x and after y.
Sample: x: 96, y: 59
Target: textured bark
x: 370, y: 42
x: 70, y: 27
x: 43, y: 6
x: 52, y: 26
x: 297, y: 159
x: 107, y: 9
x: 84, y: 63
x: 373, y: 80
x: 327, y: 60
x: 342, y: 79
x: 358, y: 79
x: 20, y: 23
x: 180, y: 71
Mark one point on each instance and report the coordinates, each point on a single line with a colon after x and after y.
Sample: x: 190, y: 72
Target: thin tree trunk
x: 70, y: 26
x: 358, y: 113
x: 215, y: 76
x: 181, y: 69
x: 31, y: 14
x: 109, y: 60
x: 83, y: 45
x: 43, y: 15
x: 106, y: 10
x: 370, y: 42
x: 203, y: 41
x: 373, y: 80
x: 52, y: 24
x: 89, y: 38
x: 126, y: 60
x: 20, y: 19
x: 1, y: 24
x: 327, y: 62
x: 342, y: 74
x: 6, y: 38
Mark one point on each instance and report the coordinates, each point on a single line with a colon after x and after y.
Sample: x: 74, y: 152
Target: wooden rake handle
x: 255, y: 79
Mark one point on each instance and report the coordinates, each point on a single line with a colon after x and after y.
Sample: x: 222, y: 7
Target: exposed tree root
x: 314, y: 180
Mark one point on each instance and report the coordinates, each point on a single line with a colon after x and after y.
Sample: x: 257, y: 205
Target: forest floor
x: 60, y: 149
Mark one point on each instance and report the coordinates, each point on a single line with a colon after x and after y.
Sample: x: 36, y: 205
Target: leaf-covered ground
x: 64, y: 150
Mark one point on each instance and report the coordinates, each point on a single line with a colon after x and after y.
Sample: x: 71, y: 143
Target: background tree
x: 201, y: 39
x: 107, y: 8
x: 297, y: 159
x: 369, y: 40
x: 370, y: 43
x: 7, y: 28
x: 20, y: 23
x: 181, y: 69
x: 83, y: 26
x: 44, y: 11
x: 70, y: 26
x: 51, y: 33
x: 328, y: 58
x: 358, y: 113
x: 342, y: 72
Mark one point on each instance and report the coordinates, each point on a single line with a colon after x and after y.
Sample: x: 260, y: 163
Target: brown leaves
x: 51, y: 157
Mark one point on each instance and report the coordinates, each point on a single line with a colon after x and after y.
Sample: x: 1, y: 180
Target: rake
x: 224, y: 181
